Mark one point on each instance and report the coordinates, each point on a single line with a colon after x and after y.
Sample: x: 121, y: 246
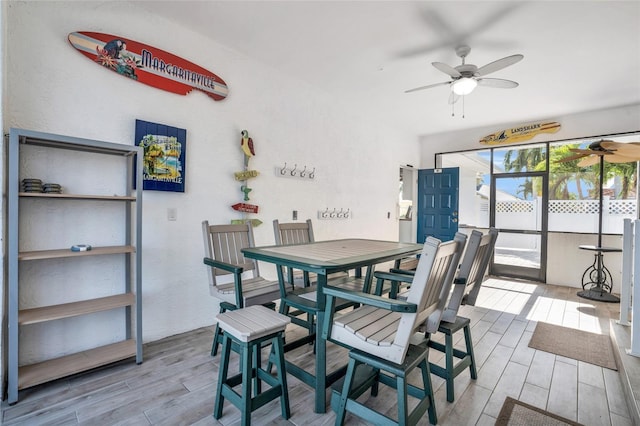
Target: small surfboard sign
x: 245, y: 175
x: 520, y: 133
x: 148, y: 65
x: 244, y: 207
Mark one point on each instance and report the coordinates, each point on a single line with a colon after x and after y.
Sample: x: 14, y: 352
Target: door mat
x: 516, y: 413
x: 576, y: 344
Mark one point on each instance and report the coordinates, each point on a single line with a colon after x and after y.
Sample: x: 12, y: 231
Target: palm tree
x: 526, y: 189
x: 526, y: 159
x: 627, y: 172
x: 560, y: 174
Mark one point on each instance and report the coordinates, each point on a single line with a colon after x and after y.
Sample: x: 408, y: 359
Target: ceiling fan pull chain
x: 463, y: 106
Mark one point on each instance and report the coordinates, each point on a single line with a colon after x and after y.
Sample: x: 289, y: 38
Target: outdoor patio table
x: 597, y: 281
x: 324, y: 258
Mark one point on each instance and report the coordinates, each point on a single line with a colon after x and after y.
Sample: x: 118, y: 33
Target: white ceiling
x: 578, y: 55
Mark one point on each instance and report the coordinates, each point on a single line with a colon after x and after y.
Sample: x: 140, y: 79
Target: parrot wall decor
x: 246, y: 145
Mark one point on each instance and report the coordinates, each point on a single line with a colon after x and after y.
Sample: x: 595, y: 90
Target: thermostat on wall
x: 81, y: 247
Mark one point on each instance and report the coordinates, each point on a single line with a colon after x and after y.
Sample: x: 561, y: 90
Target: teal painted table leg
x: 321, y: 350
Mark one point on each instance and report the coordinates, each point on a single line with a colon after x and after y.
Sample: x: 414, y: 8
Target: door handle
x: 454, y: 220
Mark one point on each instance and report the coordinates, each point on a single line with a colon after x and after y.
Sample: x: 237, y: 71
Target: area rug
x: 516, y: 413
x: 576, y: 344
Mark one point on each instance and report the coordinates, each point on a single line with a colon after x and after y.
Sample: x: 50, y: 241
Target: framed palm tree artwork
x: 164, y: 156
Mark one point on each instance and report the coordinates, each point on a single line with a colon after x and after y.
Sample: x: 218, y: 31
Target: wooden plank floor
x: 176, y: 383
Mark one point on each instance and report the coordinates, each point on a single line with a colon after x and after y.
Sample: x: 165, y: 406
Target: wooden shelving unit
x: 42, y: 372
x: 128, y: 299
x: 58, y: 253
x: 72, y: 309
x: 77, y: 197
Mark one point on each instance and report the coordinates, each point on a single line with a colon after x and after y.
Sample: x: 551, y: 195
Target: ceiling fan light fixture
x: 463, y: 86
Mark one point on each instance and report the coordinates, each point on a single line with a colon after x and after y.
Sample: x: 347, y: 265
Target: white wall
x: 53, y: 88
x: 586, y: 124
x: 566, y: 262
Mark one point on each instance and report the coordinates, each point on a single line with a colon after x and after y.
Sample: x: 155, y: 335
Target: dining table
x: 324, y: 258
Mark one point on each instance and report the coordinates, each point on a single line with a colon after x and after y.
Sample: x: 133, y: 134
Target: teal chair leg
x: 245, y: 403
x: 449, y: 366
x: 251, y: 397
x: 278, y: 348
x: 401, y: 388
x: 469, y: 345
x: 427, y: 386
x: 464, y: 358
x: 222, y: 378
x: 257, y: 359
x: 364, y: 371
x: 346, y: 389
x: 216, y: 341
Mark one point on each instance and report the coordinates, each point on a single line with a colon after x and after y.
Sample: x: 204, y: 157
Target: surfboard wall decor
x: 148, y: 65
x: 520, y: 133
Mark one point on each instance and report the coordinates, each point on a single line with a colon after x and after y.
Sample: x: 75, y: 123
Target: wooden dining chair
x: 465, y: 290
x: 234, y: 279
x: 300, y: 299
x: 384, y: 339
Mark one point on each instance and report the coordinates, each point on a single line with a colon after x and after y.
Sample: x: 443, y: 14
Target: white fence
x: 564, y: 216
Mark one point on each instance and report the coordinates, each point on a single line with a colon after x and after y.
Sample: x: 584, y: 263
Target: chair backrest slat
x: 476, y: 277
x: 224, y: 243
x: 432, y: 280
x: 472, y: 270
x: 293, y: 233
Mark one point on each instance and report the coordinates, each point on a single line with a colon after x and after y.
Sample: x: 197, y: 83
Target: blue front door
x: 438, y: 203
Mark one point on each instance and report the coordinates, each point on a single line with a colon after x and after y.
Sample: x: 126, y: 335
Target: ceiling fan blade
x: 618, y: 158
x: 629, y: 149
x: 427, y: 87
x: 449, y: 70
x: 497, y: 82
x: 499, y: 64
x: 571, y: 158
x: 453, y: 98
x: 582, y: 151
x: 450, y: 34
x: 589, y: 161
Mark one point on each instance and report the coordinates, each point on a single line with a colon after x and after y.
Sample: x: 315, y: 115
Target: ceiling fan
x: 599, y: 152
x: 465, y: 77
x: 610, y: 151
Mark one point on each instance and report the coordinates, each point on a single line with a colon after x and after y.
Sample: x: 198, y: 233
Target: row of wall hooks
x: 335, y: 213
x: 296, y: 172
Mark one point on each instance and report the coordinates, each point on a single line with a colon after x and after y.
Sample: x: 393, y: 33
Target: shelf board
x: 76, y: 196
x: 66, y: 310
x: 58, y: 253
x: 35, y: 374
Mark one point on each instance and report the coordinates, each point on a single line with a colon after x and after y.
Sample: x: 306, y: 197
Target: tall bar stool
x: 247, y: 329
